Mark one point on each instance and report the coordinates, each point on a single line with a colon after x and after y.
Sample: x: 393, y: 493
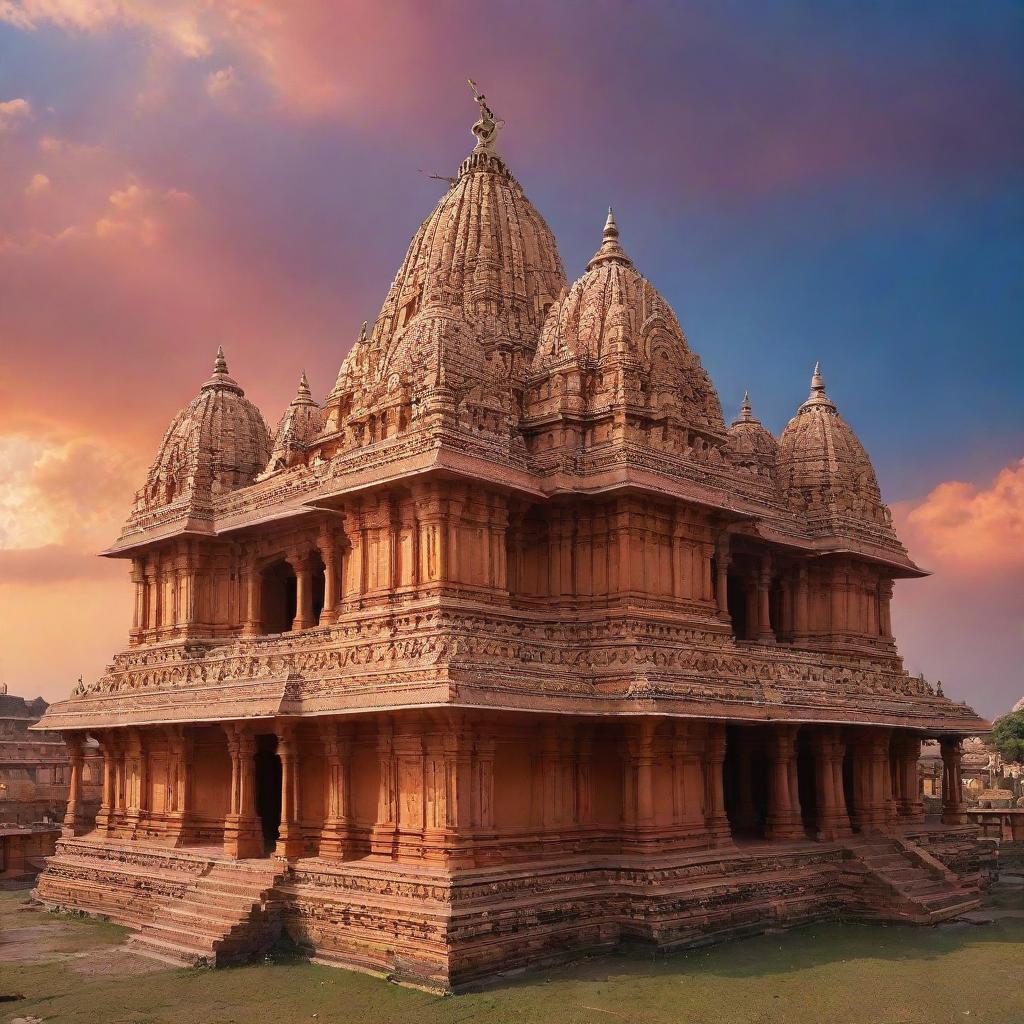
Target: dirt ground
x: 61, y: 968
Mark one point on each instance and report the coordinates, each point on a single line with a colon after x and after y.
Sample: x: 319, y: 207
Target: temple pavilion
x: 510, y: 648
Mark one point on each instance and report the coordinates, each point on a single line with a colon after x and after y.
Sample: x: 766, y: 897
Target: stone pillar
x: 908, y: 752
x: 783, y: 821
x: 643, y: 763
x: 303, y: 592
x: 801, y: 606
x: 139, y: 607
x: 715, y: 819
x: 336, y: 838
x: 952, y: 786
x: 833, y: 821
x: 764, y: 584
x: 75, y: 822
x: 179, y: 783
x: 688, y: 784
x: 242, y: 834
x: 252, y: 626
x: 135, y: 778
x: 884, y: 608
x: 104, y: 817
x: 289, y: 836
x: 838, y: 595
x: 384, y: 834
x: 870, y: 752
x: 457, y: 747
x: 328, y: 551
x: 722, y: 561
x: 483, y: 780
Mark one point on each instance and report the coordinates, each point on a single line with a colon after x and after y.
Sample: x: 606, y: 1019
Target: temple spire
x: 220, y: 377
x: 817, y: 381
x: 220, y: 364
x: 746, y: 411
x: 303, y: 396
x: 817, y: 397
x: 610, y: 247
x: 486, y: 127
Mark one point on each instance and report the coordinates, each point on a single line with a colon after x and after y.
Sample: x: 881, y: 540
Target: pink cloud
x: 14, y: 112
x: 969, y: 529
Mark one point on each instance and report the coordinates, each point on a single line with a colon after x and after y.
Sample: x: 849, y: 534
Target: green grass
x: 847, y: 974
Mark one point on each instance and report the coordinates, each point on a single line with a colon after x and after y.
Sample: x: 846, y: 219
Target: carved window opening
x: 278, y: 597
x: 806, y: 781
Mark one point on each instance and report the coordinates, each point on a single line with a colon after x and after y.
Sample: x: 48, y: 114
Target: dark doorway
x: 268, y: 790
x: 317, y: 582
x: 806, y: 782
x: 851, y: 808
x: 736, y: 595
x: 277, y: 606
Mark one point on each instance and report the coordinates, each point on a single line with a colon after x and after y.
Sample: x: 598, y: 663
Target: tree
x: 1008, y: 736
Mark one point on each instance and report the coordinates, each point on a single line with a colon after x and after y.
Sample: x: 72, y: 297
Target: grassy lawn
x: 70, y: 969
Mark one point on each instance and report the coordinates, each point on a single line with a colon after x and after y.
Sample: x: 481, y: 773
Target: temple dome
x: 612, y: 314
x: 217, y: 443
x: 467, y: 304
x: 299, y: 425
x: 822, y: 464
x: 752, y: 448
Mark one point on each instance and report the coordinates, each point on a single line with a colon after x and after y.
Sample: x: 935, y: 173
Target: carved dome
x: 752, y: 448
x: 823, y: 466
x: 217, y: 443
x: 613, y: 315
x: 468, y: 302
x: 299, y: 425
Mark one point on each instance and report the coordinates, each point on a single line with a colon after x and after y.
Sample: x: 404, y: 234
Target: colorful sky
x: 801, y: 181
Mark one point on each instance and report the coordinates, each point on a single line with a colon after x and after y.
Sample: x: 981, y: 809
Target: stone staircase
x: 225, y: 916
x: 898, y: 881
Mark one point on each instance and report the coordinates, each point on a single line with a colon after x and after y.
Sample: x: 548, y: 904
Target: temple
x: 510, y: 648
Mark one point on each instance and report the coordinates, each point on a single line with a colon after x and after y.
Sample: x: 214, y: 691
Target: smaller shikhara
x: 510, y: 648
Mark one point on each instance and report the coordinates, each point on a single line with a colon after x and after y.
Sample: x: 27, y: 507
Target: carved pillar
x: 715, y: 819
x: 75, y: 822
x: 328, y: 551
x: 688, y: 786
x: 838, y: 598
x: 135, y: 782
x: 383, y: 836
x: 884, y: 608
x: 179, y: 783
x: 289, y: 836
x: 104, y: 817
x: 909, y: 790
x: 483, y: 779
x: 722, y: 561
x: 242, y: 834
x: 801, y: 624
x: 303, y: 591
x: 952, y: 786
x: 457, y: 779
x: 764, y: 584
x: 870, y: 751
x: 783, y: 821
x: 833, y: 822
x: 643, y: 766
x: 355, y: 561
x: 252, y: 580
x: 139, y: 606
x: 336, y: 840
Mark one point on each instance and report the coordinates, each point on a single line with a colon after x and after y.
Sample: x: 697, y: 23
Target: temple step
x: 900, y: 887
x: 224, y: 916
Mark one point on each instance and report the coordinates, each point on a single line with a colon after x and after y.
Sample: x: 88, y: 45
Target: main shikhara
x: 509, y: 649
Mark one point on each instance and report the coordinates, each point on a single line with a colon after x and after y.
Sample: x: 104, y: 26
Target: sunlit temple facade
x: 510, y: 648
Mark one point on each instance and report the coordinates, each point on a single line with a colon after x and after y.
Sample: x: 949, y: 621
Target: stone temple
x: 510, y: 649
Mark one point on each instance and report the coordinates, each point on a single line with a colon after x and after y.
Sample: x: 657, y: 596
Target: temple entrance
x: 745, y: 782
x: 278, y: 597
x: 268, y: 790
x: 851, y: 808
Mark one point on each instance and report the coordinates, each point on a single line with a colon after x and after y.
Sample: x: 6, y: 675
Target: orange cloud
x: 38, y: 184
x: 967, y: 528
x: 13, y: 112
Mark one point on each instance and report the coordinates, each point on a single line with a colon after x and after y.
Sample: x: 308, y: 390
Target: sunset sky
x: 801, y: 181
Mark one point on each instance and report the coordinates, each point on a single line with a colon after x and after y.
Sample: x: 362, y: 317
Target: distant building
x: 34, y: 768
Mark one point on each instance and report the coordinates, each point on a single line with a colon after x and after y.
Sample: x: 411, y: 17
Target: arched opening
x: 268, y: 790
x: 277, y: 597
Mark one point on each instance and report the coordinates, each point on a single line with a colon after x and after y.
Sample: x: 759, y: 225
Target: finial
x: 610, y: 248
x: 362, y: 332
x: 817, y: 381
x: 746, y: 412
x: 303, y: 396
x: 220, y: 364
x: 485, y: 129
x: 219, y: 379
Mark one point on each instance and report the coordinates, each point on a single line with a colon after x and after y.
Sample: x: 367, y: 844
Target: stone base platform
x: 447, y: 929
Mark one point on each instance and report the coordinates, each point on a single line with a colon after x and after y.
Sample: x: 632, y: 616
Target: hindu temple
x: 509, y: 649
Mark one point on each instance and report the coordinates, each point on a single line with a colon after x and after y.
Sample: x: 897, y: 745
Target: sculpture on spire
x: 486, y: 127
